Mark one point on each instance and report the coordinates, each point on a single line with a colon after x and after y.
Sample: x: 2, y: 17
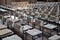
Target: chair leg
x: 0, y: 38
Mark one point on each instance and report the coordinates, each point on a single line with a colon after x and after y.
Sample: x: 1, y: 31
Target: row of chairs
x: 50, y: 13
x: 5, y: 32
x: 30, y: 20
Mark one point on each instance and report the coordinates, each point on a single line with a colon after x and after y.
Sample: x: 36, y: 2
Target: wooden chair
x: 38, y: 24
x: 52, y: 18
x: 9, y: 24
x: 43, y: 16
x: 17, y: 27
x: 5, y: 33
x: 29, y: 20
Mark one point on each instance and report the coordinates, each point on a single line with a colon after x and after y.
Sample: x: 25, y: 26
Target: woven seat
x: 5, y: 32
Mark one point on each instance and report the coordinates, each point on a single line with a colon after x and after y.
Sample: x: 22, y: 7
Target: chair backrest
x: 9, y: 24
x: 17, y: 26
x: 43, y: 16
x: 28, y: 20
x: 38, y: 23
x: 52, y: 18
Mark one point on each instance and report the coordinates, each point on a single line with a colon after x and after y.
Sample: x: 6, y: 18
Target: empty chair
x: 43, y: 16
x: 52, y: 18
x: 38, y: 24
x: 4, y: 20
x: 9, y: 24
x: 54, y: 37
x: 5, y: 33
x: 29, y: 20
x: 33, y: 34
x: 13, y: 37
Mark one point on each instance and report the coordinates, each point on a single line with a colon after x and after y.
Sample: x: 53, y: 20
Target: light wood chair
x: 38, y: 24
x: 5, y: 33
